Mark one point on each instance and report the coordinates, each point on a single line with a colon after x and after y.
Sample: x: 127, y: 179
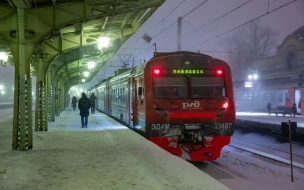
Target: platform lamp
x: 103, y: 42
x: 3, y: 58
x: 91, y: 65
x: 252, y: 76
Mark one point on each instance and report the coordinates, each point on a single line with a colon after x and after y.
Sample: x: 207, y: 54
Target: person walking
x: 93, y: 100
x: 84, y: 107
x: 294, y: 109
x: 74, y: 102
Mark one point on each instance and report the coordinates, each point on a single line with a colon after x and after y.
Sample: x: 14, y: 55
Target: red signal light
x: 219, y: 72
x: 156, y: 71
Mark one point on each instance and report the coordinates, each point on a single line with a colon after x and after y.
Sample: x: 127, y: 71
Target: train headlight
x: 225, y: 105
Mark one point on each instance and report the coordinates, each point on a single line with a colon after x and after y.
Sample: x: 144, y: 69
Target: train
x: 257, y: 100
x: 181, y: 101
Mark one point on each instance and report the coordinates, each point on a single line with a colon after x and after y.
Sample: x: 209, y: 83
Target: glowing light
x: 86, y: 73
x: 156, y: 71
x: 219, y: 72
x: 103, y: 42
x: 3, y: 56
x: 91, y: 64
x: 225, y: 105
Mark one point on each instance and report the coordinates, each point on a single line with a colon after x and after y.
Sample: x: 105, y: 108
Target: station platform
x: 106, y: 155
x: 273, y: 123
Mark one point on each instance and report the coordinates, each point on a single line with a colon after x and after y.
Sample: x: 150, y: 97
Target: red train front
x: 181, y: 101
x: 184, y: 104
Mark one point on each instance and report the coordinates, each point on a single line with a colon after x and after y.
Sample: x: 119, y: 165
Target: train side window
x: 140, y: 91
x: 141, y: 88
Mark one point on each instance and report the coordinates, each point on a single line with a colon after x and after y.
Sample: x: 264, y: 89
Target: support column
x: 50, y: 95
x: 22, y: 124
x: 41, y: 111
x: 57, y: 102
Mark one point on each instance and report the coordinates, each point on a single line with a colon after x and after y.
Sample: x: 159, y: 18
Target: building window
x: 291, y: 60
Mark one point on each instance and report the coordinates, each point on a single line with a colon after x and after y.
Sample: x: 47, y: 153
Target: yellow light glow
x: 103, y: 42
x: 91, y: 64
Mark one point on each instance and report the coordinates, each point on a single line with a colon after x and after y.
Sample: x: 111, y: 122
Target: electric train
x: 181, y: 101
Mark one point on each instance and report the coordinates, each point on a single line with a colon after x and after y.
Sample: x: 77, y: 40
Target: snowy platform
x: 273, y: 122
x: 106, y: 155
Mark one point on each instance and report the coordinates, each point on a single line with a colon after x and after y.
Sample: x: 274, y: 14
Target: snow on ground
x: 104, y: 156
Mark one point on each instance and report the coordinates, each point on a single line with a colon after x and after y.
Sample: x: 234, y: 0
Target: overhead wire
x: 176, y: 22
x: 267, y: 13
x: 218, y: 18
x: 182, y: 17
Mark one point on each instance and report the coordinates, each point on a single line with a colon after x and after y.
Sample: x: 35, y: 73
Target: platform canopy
x: 65, y: 33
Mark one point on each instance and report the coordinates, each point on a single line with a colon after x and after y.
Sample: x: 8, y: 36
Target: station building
x: 280, y: 78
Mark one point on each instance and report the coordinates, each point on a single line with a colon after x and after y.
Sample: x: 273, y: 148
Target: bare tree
x: 250, y: 43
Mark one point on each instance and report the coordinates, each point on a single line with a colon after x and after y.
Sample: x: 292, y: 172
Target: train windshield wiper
x: 167, y: 95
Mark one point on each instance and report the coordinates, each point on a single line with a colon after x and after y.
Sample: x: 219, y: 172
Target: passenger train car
x: 181, y: 101
x: 257, y: 100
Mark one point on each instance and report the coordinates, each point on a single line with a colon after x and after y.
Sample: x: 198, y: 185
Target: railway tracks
x: 254, y: 161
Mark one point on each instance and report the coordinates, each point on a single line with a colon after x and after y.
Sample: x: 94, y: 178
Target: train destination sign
x: 188, y: 71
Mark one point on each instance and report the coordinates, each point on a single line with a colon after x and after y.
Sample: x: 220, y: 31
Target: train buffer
x: 281, y: 110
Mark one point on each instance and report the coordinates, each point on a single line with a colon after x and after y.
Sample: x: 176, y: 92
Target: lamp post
x: 252, y: 77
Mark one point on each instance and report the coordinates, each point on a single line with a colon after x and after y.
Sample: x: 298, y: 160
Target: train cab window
x: 171, y: 87
x: 208, y: 87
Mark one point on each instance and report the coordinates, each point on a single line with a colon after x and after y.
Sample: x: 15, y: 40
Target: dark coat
x: 294, y: 108
x: 84, y: 111
x: 74, y: 101
x: 92, y: 100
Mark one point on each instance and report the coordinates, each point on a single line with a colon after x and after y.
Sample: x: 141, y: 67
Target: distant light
x: 103, y: 42
x: 83, y: 80
x: 255, y: 76
x: 187, y: 62
x: 91, y: 64
x: 86, y: 73
x: 2, y: 92
x: 1, y: 87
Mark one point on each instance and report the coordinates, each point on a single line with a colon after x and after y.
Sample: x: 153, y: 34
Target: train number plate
x: 223, y: 126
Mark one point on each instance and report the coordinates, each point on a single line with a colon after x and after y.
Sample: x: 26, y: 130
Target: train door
x: 301, y: 102
x: 135, y: 110
x: 129, y: 103
x: 297, y: 100
x: 108, y: 100
x: 290, y: 97
x: 141, y: 103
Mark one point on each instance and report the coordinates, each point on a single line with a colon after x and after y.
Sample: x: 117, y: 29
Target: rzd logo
x: 195, y: 104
